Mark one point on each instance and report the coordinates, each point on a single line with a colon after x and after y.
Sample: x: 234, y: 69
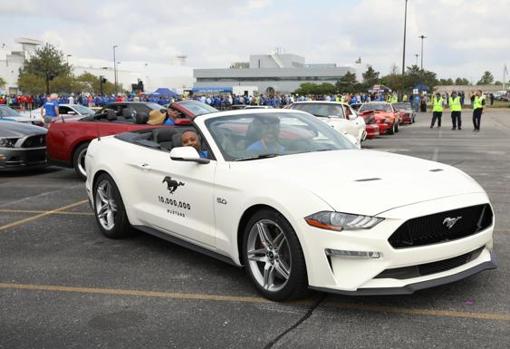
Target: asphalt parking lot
x: 62, y: 284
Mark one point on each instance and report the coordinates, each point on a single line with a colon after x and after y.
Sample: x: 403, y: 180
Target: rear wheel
x: 109, y: 209
x: 79, y: 160
x: 273, y: 257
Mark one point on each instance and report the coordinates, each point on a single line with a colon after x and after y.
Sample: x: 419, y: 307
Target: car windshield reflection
x: 267, y: 135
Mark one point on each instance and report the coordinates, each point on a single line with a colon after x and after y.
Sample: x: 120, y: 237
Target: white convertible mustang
x: 285, y: 196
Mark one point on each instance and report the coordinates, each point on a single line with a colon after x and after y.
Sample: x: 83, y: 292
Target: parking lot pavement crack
x: 297, y: 323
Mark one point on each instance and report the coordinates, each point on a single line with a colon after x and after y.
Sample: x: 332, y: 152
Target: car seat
x: 164, y: 137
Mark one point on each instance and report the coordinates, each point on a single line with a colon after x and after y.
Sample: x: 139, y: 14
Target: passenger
x: 157, y: 118
x: 191, y: 139
x: 269, y: 131
x: 171, y: 116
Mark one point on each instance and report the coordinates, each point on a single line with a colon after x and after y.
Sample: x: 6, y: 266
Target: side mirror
x: 187, y: 154
x: 353, y: 116
x: 353, y: 140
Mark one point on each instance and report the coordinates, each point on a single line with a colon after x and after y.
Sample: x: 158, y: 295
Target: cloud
x: 464, y: 37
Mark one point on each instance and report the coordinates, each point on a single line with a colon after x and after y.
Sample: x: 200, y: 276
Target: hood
x: 363, y: 181
x: 11, y: 129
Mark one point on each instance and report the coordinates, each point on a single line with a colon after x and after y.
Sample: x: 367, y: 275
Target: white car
x: 64, y: 110
x: 285, y: 195
x: 340, y: 116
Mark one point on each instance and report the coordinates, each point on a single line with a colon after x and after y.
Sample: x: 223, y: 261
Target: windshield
x: 320, y: 109
x: 255, y: 136
x: 83, y: 110
x: 7, y: 111
x: 198, y: 108
x: 402, y: 106
x: 154, y: 106
x: 375, y: 106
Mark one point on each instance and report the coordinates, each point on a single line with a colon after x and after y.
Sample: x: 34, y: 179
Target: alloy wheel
x: 269, y: 256
x: 106, y: 208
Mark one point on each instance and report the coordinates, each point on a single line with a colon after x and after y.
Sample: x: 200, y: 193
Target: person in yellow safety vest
x: 456, y: 109
x: 393, y: 98
x: 337, y: 99
x: 437, y: 110
x: 478, y: 102
x: 405, y: 98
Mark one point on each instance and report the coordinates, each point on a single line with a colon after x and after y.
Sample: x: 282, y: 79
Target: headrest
x: 164, y: 134
x: 141, y: 118
x: 111, y: 115
x: 177, y: 140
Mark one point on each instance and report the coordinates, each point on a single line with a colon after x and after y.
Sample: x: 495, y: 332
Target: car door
x: 175, y: 197
x: 356, y: 124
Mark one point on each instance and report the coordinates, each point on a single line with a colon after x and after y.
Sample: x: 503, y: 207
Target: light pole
x: 115, y: 68
x: 422, y: 37
x: 404, y: 50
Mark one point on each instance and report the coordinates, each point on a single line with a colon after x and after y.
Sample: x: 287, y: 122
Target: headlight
x: 341, y: 221
x: 8, y: 142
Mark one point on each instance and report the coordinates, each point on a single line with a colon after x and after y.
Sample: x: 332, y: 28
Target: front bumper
x: 372, y: 131
x: 361, y: 275
x: 15, y: 159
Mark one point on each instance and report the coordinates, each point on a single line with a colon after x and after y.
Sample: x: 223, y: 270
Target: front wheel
x: 79, y: 160
x: 273, y: 257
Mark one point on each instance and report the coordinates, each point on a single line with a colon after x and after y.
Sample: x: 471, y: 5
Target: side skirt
x: 185, y: 244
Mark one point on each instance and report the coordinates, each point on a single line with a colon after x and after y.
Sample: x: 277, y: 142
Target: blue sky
x: 464, y: 37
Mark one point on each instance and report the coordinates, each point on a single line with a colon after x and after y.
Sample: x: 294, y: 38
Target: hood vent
x: 436, y: 170
x: 367, y: 179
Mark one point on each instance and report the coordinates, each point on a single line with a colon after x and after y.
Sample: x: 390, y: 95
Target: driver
x: 268, y: 131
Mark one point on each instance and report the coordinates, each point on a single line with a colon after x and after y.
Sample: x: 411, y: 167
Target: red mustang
x: 407, y: 114
x: 385, y: 116
x: 68, y: 139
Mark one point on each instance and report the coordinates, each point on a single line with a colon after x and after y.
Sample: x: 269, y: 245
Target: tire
x: 396, y: 128
x: 268, y: 263
x: 109, y: 209
x: 391, y: 131
x: 79, y: 160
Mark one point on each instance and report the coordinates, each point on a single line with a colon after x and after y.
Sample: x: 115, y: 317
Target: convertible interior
x: 161, y: 138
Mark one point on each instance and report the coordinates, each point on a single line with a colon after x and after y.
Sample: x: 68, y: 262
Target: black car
x: 21, y: 146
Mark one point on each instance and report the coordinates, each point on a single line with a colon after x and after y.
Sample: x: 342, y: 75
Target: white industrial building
x: 282, y: 73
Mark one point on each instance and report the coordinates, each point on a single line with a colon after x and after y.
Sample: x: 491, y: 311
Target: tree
x: 46, y: 63
x: 498, y: 83
x: 309, y: 88
x: 370, y: 77
x: 348, y: 83
x: 487, y: 78
x: 461, y: 81
x: 444, y: 82
x: 2, y: 82
x: 31, y: 84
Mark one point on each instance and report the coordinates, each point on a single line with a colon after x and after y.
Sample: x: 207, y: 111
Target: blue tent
x: 164, y: 92
x: 421, y: 87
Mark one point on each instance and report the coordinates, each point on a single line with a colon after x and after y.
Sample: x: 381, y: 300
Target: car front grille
x: 34, y: 141
x: 437, y: 228
x: 429, y: 268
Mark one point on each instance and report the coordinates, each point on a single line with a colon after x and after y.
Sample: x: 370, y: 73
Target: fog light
x: 354, y: 254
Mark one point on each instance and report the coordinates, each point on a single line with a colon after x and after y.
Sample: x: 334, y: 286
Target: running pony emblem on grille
x: 450, y: 222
